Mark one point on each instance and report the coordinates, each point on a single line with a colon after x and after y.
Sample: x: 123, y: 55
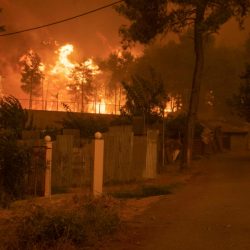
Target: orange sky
x: 96, y: 33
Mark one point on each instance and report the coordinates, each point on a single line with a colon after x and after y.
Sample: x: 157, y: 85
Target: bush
x: 13, y: 116
x: 87, y: 125
x: 15, y: 162
x: 175, y: 126
x: 82, y: 224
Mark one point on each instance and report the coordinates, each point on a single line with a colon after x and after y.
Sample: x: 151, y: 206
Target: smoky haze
x: 94, y: 35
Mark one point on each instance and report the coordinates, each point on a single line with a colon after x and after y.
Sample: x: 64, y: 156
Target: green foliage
x: 241, y: 101
x: 15, y: 162
x: 13, y: 116
x: 145, y: 97
x: 81, y: 225
x: 87, y: 125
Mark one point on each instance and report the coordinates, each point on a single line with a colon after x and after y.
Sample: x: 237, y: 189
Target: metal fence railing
x: 87, y: 107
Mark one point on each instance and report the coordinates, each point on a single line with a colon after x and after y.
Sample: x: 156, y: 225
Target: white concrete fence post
x: 98, y: 164
x: 47, y: 186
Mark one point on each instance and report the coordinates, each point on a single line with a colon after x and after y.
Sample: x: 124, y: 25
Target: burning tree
x: 81, y: 78
x: 31, y: 74
x: 118, y: 64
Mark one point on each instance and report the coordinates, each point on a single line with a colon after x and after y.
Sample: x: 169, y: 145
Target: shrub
x: 15, y: 161
x: 13, y: 116
x: 175, y: 126
x: 80, y: 225
x: 87, y: 125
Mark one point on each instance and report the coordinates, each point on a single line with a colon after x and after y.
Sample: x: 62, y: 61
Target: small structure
x: 235, y: 133
x: 236, y: 139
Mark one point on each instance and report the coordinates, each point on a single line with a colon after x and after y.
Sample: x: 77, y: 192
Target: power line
x: 63, y: 20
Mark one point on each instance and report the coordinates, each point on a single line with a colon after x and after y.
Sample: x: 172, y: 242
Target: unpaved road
x: 211, y: 212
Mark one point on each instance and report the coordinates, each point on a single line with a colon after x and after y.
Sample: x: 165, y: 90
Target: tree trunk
x: 31, y: 90
x: 82, y: 96
x: 195, y: 91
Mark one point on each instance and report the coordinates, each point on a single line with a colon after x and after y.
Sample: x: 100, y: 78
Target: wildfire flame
x: 29, y: 59
x: 89, y: 64
x: 66, y: 77
x: 63, y: 64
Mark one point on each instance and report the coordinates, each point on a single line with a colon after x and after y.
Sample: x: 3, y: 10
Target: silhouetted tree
x: 13, y: 116
x: 31, y: 74
x: 80, y: 84
x: 145, y: 97
x: 15, y: 163
x: 150, y: 18
x: 118, y: 63
x: 15, y: 159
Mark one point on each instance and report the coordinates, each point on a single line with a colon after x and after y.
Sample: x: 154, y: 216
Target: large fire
x: 69, y: 83
x: 63, y: 64
x: 77, y: 85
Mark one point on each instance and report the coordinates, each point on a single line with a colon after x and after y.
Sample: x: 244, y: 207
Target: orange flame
x: 63, y: 65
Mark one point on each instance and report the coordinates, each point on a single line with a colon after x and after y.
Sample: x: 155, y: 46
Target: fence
x: 61, y: 105
x: 126, y: 158
x: 72, y: 161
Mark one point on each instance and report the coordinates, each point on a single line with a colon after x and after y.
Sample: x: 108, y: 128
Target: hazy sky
x: 92, y: 35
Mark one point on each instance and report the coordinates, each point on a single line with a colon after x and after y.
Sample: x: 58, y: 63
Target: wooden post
x: 98, y: 164
x: 47, y: 186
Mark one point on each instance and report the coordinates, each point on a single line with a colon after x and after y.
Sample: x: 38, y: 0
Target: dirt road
x: 211, y: 212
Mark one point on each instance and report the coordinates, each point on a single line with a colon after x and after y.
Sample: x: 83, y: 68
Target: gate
x: 36, y: 175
